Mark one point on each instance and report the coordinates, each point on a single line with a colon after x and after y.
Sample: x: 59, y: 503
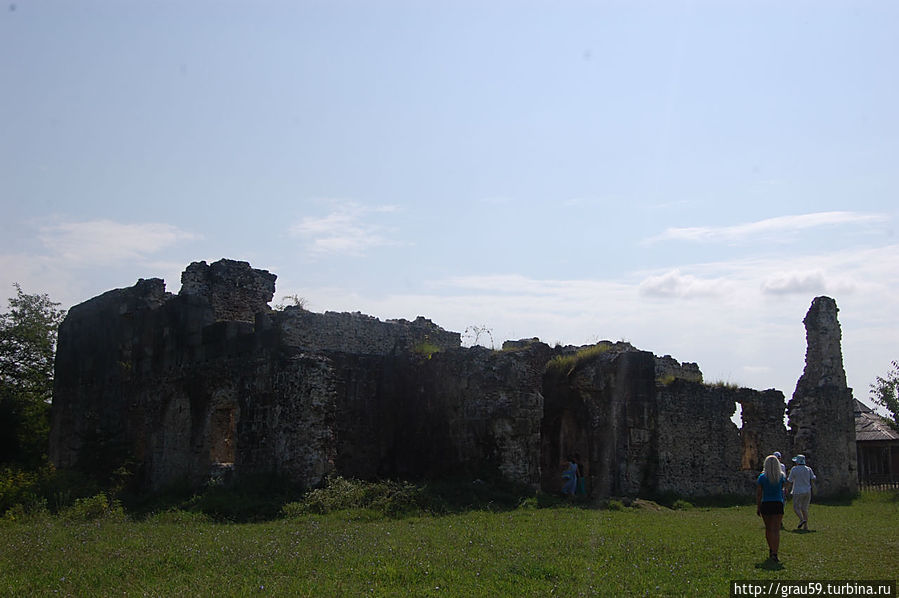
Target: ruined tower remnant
x: 235, y: 291
x: 822, y: 422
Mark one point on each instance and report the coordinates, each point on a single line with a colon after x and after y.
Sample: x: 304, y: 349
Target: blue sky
x: 684, y: 175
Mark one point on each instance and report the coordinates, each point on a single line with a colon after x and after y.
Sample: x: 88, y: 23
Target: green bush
x: 178, y: 516
x: 387, y: 497
x: 530, y: 502
x: 250, y: 500
x: 18, y: 487
x: 94, y: 508
x: 31, y: 511
x: 681, y: 504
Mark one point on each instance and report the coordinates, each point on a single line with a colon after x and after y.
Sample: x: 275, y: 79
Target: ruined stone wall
x: 103, y: 345
x: 763, y: 432
x: 603, y: 409
x: 181, y: 386
x: 821, y: 412
x: 162, y: 381
x: 146, y: 377
x: 418, y: 416
x: 699, y: 445
x: 701, y: 450
x: 235, y: 291
x: 668, y: 369
x: 361, y: 334
x: 488, y: 405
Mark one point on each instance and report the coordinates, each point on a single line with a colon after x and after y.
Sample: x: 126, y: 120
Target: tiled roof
x: 870, y: 426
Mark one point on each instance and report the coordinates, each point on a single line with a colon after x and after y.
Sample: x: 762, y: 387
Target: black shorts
x: 772, y: 507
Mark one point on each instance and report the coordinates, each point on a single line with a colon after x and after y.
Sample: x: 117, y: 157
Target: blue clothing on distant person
x: 772, y: 491
x: 569, y: 486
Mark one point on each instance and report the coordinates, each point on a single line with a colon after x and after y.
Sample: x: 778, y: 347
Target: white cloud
x: 674, y: 283
x: 781, y: 225
x: 345, y: 230
x: 115, y: 249
x: 814, y: 282
x: 104, y: 242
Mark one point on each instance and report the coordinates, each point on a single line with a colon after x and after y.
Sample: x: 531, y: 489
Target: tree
x: 884, y: 393
x: 27, y: 349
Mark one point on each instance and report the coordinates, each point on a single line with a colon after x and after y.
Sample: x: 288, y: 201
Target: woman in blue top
x: 769, y: 500
x: 569, y: 478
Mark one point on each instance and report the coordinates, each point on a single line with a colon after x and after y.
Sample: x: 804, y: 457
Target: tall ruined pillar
x: 821, y: 412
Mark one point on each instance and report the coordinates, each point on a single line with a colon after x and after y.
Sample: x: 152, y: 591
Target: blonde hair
x: 772, y: 469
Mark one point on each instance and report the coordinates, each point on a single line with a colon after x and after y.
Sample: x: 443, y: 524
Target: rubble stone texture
x: 213, y: 383
x: 821, y: 412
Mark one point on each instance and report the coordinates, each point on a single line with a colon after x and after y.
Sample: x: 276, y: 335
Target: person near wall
x: 801, y: 476
x: 569, y: 478
x: 783, y: 469
x: 769, y: 500
x: 581, y: 487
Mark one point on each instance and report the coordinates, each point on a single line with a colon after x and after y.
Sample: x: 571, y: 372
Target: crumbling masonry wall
x: 700, y: 446
x: 213, y: 382
x: 641, y: 434
x: 822, y: 410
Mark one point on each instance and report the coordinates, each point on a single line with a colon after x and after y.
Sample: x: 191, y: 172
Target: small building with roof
x: 877, y: 447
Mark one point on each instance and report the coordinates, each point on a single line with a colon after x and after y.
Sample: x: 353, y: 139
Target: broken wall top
x: 236, y: 291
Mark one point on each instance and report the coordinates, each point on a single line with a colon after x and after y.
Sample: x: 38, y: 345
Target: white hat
x: 799, y: 459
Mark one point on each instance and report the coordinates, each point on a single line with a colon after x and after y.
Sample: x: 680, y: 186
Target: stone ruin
x: 212, y: 382
x: 819, y: 424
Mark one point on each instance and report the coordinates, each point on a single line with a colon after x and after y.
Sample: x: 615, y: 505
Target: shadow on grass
x: 266, y: 497
x: 770, y: 565
x: 840, y: 500
x: 253, y: 499
x: 670, y: 500
x: 803, y: 531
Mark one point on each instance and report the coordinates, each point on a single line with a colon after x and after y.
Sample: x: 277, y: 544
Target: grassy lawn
x: 560, y: 550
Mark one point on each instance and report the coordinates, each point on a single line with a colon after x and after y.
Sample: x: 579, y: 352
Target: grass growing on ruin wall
x: 528, y: 551
x: 566, y: 364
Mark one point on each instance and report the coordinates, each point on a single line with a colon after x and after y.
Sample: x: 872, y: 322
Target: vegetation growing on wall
x: 567, y: 364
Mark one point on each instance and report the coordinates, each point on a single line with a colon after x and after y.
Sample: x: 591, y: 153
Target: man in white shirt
x: 801, y: 476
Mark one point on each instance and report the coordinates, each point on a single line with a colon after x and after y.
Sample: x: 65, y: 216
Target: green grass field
x: 529, y: 551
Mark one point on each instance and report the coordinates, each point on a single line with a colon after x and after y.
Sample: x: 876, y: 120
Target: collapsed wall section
x: 701, y: 450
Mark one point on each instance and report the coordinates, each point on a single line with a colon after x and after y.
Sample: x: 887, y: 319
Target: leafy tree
x: 27, y: 349
x: 884, y: 393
